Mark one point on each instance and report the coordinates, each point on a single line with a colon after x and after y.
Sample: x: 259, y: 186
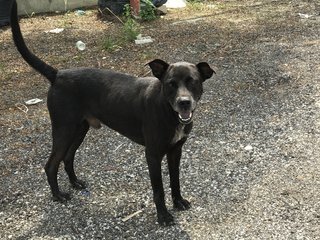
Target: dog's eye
x: 189, y: 80
x: 173, y: 84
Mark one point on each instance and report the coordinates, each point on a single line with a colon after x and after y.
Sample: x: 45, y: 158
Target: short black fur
x: 155, y: 112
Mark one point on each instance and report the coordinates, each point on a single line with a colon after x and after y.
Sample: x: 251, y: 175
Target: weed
x: 127, y: 11
x: 131, y: 30
x: 196, y: 5
x: 147, y: 12
x: 110, y: 44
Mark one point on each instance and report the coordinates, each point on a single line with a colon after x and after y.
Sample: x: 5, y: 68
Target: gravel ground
x: 251, y: 167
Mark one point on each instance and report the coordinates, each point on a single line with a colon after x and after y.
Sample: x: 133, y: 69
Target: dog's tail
x: 49, y: 72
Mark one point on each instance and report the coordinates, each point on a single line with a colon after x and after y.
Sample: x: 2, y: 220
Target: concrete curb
x: 27, y: 7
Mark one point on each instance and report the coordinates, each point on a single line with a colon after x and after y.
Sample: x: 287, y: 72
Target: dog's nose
x: 184, y: 103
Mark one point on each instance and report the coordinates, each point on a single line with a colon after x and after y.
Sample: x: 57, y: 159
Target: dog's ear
x: 158, y: 67
x: 205, y: 70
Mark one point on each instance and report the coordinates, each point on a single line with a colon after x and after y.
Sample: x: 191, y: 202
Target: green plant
x: 109, y: 44
x: 147, y: 11
x: 131, y: 30
x: 127, y: 11
x: 196, y: 5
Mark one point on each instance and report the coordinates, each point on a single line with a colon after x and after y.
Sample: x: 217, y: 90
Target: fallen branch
x: 111, y: 13
x: 132, y: 215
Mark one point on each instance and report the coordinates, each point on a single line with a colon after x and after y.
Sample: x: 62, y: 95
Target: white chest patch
x: 179, y: 134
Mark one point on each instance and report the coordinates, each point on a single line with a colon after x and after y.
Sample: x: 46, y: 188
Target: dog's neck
x: 179, y: 134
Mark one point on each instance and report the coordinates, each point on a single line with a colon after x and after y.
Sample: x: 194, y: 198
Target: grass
x: 129, y: 32
x: 196, y: 6
x: 110, y: 44
x: 147, y: 12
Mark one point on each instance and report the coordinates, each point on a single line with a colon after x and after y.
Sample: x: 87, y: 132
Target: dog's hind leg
x: 69, y: 158
x: 63, y: 137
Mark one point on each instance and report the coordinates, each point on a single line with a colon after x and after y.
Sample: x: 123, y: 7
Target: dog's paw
x: 79, y: 184
x: 181, y: 204
x: 165, y: 219
x: 61, y: 197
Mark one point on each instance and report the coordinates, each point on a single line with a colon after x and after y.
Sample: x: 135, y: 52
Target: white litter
x: 302, y: 15
x: 248, y: 148
x: 80, y: 45
x: 33, y: 101
x: 56, y: 30
x: 143, y: 40
x: 176, y: 3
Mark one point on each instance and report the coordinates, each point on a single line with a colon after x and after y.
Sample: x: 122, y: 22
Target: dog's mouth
x: 185, y: 116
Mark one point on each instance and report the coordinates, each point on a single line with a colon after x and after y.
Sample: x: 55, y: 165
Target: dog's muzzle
x: 185, y: 107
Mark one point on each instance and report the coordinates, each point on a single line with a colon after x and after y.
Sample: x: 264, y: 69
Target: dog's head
x: 181, y: 85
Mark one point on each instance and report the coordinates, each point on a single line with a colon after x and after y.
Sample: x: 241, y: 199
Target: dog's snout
x: 184, y: 103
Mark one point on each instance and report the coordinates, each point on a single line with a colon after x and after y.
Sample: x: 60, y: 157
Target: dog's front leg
x: 173, y: 157
x: 154, y: 165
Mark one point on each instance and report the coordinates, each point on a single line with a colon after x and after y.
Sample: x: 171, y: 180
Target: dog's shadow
x: 79, y: 219
x: 117, y: 203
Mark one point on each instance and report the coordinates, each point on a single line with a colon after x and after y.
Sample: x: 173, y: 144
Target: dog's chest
x: 179, y: 134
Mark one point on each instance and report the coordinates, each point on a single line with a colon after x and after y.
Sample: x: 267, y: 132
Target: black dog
x: 154, y: 111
